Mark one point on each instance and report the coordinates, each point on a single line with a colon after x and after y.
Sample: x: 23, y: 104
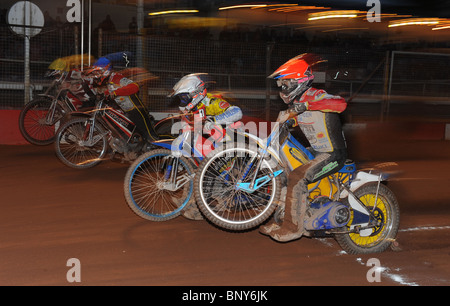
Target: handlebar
x: 289, y: 123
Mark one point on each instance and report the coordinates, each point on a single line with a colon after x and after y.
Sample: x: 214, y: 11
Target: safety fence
x: 419, y: 74
x: 240, y: 69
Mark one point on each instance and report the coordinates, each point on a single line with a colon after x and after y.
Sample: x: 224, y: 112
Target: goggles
x: 185, y: 102
x: 287, y: 83
x: 185, y: 99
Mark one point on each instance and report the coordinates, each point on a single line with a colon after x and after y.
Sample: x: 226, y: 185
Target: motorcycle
x: 40, y: 118
x: 239, y: 188
x: 86, y: 139
x: 158, y: 186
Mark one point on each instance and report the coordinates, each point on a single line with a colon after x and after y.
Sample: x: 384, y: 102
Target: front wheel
x: 37, y: 124
x: 387, y: 214
x: 221, y: 200
x: 158, y: 185
x: 76, y: 149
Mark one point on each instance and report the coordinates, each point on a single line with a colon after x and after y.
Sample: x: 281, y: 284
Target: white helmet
x: 191, y: 90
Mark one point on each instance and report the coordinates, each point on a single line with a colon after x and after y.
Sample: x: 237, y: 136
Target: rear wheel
x: 36, y: 123
x: 387, y: 217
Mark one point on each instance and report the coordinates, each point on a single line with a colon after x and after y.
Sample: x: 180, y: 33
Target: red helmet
x: 99, y: 73
x: 295, y: 76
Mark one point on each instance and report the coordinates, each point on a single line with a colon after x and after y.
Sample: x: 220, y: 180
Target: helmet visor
x: 185, y: 99
x: 287, y: 85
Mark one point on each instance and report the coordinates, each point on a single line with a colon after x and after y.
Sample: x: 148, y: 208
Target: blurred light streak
x: 414, y: 21
x: 297, y: 8
x: 172, y: 12
x: 441, y: 28
x: 394, y: 16
x: 344, y: 29
x: 281, y: 7
x: 242, y: 6
x: 333, y: 14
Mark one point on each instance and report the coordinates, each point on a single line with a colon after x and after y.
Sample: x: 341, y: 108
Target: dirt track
x: 51, y: 213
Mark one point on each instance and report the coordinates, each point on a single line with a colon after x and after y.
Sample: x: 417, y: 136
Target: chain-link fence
x: 239, y: 69
x: 48, y: 45
x: 419, y: 74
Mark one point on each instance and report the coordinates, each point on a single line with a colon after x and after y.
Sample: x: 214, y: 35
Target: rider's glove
x: 291, y: 122
x: 109, y: 94
x: 285, y: 115
x: 299, y: 107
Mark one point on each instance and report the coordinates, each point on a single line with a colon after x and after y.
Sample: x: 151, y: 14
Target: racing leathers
x: 125, y: 93
x: 80, y: 93
x: 317, y: 115
x: 218, y: 112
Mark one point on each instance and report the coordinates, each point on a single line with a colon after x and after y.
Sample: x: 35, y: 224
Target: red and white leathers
x: 119, y: 85
x: 318, y: 120
x: 125, y: 91
x: 317, y: 115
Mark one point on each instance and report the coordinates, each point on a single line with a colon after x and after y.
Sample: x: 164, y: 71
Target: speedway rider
x: 65, y: 70
x: 191, y: 91
x: 123, y: 91
x: 193, y: 97
x: 317, y: 115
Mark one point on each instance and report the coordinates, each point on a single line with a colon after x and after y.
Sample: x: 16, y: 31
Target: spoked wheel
x: 221, y: 200
x: 158, y: 185
x: 387, y: 217
x: 37, y: 125
x: 76, y: 149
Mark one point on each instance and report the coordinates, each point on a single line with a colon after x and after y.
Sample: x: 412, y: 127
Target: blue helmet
x: 103, y: 62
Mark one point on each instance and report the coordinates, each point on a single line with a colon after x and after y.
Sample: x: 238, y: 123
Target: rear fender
x: 163, y: 144
x: 167, y: 144
x: 361, y: 213
x: 362, y: 178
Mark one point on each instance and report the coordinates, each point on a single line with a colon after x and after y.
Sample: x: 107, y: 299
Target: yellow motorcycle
x: 239, y: 187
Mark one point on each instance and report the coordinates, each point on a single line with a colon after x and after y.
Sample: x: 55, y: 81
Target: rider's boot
x: 192, y: 212
x: 292, y: 226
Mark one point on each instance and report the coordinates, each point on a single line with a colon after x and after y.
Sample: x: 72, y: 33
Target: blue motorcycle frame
x: 373, y: 211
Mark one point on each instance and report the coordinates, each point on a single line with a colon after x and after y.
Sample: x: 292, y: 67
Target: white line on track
x: 390, y: 273
x: 424, y: 228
